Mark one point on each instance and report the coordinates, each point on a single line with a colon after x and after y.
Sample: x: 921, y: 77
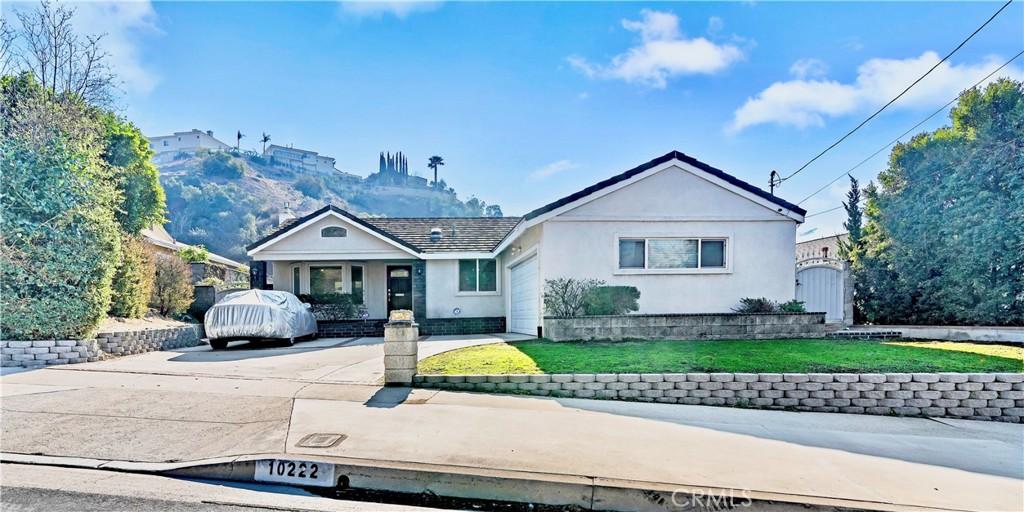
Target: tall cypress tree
x: 854, y: 215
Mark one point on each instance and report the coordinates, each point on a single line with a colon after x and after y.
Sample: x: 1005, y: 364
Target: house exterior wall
x: 374, y: 280
x: 186, y: 141
x: 307, y: 244
x: 583, y: 243
x: 443, y: 294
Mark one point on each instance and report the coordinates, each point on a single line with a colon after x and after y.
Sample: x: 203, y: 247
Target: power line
x: 912, y: 128
x: 898, y: 96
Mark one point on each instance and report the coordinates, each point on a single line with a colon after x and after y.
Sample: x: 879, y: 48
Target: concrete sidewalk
x: 113, y: 412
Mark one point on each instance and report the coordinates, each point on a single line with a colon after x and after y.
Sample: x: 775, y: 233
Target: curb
x: 572, y: 491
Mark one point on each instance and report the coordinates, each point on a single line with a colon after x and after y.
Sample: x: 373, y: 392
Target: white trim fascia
x: 690, y: 218
x: 336, y: 215
x: 479, y: 255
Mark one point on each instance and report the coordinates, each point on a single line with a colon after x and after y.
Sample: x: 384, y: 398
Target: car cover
x: 259, y: 314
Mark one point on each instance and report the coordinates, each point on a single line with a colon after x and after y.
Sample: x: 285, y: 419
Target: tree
x: 854, y: 214
x: 221, y: 165
x: 265, y: 139
x: 944, y: 232
x: 60, y: 243
x: 62, y: 61
x: 238, y: 139
x: 127, y: 151
x: 434, y: 163
x: 493, y: 210
x: 172, y: 286
x: 133, y: 280
x: 310, y: 186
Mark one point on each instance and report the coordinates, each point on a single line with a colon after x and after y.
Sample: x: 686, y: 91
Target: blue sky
x: 528, y: 102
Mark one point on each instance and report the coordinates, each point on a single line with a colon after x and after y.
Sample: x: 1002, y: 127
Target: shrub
x: 194, y: 254
x: 793, y: 306
x: 343, y: 305
x: 756, y: 305
x: 172, y: 289
x: 221, y: 165
x: 309, y: 186
x: 611, y: 300
x: 216, y: 282
x: 567, y: 296
x: 60, y: 242
x: 133, y: 280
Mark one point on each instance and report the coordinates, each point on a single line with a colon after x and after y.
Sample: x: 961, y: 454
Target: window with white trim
x: 672, y: 253
x: 478, y: 276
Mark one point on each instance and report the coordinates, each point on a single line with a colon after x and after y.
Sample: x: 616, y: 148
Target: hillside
x: 224, y: 201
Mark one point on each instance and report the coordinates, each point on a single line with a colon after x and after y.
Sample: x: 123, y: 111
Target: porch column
x: 419, y: 290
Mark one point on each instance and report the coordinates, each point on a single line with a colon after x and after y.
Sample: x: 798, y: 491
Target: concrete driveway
x: 327, y: 360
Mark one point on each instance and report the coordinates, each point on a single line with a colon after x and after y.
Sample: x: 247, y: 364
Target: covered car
x: 259, y: 314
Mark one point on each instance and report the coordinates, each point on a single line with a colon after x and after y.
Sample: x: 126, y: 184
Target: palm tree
x: 435, y: 161
x: 238, y: 139
x: 265, y: 139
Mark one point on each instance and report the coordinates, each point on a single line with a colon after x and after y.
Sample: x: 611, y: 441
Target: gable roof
x: 472, y: 234
x: 301, y: 221
x: 667, y: 157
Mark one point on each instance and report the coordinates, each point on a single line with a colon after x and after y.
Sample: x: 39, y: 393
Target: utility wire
x: 898, y: 96
x: 912, y: 128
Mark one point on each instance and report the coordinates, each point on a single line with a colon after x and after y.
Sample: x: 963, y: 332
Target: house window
x: 478, y: 276
x: 296, y: 279
x: 357, y: 284
x: 333, y: 232
x: 165, y: 143
x: 324, y: 280
x: 671, y: 253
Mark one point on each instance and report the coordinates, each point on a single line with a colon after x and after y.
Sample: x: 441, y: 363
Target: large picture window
x: 324, y: 280
x: 478, y: 276
x: 671, y: 253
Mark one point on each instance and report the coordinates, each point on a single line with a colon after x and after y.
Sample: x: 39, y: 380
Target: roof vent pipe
x: 435, y: 234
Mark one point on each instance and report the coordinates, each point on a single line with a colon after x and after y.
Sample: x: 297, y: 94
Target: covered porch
x: 376, y: 286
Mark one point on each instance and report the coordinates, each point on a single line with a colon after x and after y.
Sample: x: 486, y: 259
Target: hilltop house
x: 190, y: 141
x: 690, y: 237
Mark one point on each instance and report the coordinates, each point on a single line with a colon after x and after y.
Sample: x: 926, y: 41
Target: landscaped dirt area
x: 753, y: 356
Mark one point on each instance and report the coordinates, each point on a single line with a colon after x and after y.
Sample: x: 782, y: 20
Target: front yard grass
x: 742, y: 356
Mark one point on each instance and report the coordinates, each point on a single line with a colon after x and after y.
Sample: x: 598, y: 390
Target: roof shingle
x: 458, y: 234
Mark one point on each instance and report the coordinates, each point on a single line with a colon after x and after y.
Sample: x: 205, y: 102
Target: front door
x: 399, y: 287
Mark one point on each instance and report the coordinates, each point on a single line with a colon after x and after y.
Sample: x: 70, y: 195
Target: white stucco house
x: 690, y: 237
x: 190, y: 141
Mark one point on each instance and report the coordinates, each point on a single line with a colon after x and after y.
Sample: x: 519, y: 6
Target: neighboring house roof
x: 471, y: 234
x: 673, y: 155
x: 158, y: 236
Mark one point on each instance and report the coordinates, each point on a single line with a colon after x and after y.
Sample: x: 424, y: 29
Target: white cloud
x: 552, y: 169
x: 125, y: 25
x: 715, y: 25
x: 804, y: 102
x: 381, y: 8
x: 663, y: 52
x: 583, y: 96
x: 808, y: 68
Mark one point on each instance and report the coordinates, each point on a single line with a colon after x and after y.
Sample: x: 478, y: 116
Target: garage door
x: 524, y: 298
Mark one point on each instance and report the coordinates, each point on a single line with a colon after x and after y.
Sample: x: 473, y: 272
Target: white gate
x: 820, y: 287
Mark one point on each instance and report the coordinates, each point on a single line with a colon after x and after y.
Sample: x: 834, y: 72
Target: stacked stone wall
x: 976, y: 396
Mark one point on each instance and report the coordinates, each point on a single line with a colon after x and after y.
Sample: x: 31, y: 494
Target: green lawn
x: 774, y: 356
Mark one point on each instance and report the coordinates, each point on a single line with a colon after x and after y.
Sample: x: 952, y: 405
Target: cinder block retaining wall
x: 713, y: 326
x: 978, y: 396
x: 33, y: 354
x: 149, y: 340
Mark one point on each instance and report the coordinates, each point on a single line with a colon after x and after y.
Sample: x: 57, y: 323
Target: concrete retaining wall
x: 713, y: 326
x: 34, y: 354
x: 977, y: 396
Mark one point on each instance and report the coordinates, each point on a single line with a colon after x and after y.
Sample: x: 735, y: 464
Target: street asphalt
x: 195, y: 405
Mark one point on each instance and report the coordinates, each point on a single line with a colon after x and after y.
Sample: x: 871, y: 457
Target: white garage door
x: 524, y: 298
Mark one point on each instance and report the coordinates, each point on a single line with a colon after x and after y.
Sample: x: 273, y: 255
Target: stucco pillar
x: 400, y: 348
x: 419, y: 290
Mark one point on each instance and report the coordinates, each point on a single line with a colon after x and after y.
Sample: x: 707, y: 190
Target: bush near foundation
x: 133, y: 280
x: 172, y: 289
